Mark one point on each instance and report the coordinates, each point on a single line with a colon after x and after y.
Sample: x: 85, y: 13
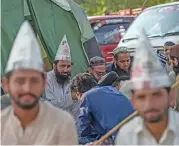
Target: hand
x: 74, y: 95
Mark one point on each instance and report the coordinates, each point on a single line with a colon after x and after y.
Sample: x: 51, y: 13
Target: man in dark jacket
x: 121, y: 63
x: 97, y: 67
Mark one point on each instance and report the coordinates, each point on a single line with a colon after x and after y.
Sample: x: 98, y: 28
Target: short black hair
x: 96, y: 61
x: 83, y: 82
x: 169, y: 44
x: 116, y: 55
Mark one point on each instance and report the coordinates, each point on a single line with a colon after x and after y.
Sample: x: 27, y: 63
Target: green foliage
x: 97, y: 7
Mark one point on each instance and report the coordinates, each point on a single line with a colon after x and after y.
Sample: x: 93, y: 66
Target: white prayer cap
x: 25, y: 53
x: 63, y: 52
x: 147, y: 71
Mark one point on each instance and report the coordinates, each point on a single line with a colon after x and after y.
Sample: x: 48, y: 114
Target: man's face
x: 152, y: 104
x: 63, y: 71
x: 167, y: 50
x: 123, y: 61
x: 97, y: 71
x: 25, y: 87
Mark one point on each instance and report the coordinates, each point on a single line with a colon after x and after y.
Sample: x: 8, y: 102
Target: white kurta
x: 52, y: 126
x: 136, y: 133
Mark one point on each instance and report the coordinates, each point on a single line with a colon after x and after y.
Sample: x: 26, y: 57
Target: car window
x: 110, y: 33
x: 156, y: 21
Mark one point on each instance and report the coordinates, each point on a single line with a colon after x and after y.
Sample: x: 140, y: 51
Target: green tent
x: 51, y: 20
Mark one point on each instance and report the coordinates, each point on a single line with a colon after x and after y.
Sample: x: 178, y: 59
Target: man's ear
x: 53, y: 65
x: 5, y: 84
x: 172, y: 100
x: 89, y: 69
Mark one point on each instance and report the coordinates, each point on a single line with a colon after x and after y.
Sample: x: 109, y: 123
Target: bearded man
x: 58, y: 91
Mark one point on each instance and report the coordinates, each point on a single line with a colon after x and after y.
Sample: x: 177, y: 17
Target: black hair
x: 169, y: 44
x: 120, y: 52
x: 83, y: 82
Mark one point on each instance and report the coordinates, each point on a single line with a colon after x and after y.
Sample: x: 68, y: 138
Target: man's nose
x: 27, y: 87
x: 148, y: 103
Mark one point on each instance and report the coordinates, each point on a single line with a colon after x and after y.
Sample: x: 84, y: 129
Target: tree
x: 97, y: 7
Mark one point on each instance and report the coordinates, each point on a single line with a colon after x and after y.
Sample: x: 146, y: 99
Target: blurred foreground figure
x: 157, y: 123
x: 27, y: 121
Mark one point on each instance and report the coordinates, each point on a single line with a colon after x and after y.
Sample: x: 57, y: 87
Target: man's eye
x: 19, y: 81
x: 141, y: 97
x: 34, y: 80
x: 156, y: 94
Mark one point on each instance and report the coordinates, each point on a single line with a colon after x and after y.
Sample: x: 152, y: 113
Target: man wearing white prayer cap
x: 157, y: 123
x: 27, y: 121
x: 58, y: 91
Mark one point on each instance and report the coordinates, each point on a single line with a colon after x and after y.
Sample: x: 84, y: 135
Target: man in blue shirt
x: 101, y: 109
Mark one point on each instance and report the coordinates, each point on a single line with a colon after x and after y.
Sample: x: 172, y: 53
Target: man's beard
x: 156, y: 119
x: 61, y: 78
x: 26, y: 106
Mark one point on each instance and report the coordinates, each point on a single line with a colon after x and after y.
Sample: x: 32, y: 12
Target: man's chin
x: 27, y: 106
x: 153, y: 119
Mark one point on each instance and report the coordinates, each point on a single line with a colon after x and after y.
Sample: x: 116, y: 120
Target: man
x: 27, y: 121
x: 101, y: 109
x: 97, y: 67
x: 78, y: 89
x: 167, y: 48
x: 77, y: 84
x: 58, y: 91
x: 157, y: 124
x: 121, y: 62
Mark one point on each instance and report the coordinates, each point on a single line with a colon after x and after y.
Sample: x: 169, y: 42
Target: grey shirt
x: 60, y: 95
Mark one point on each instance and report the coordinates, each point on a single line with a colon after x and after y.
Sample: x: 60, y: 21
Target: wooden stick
x: 115, y: 128
x: 107, y: 135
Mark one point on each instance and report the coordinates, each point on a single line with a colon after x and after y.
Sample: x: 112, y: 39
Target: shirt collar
x: 37, y: 119
x: 171, y: 123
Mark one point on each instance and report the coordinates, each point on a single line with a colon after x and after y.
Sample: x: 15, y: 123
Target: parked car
x: 161, y: 24
x: 109, y: 31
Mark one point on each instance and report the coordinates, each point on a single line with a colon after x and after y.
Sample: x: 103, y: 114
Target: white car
x: 161, y: 24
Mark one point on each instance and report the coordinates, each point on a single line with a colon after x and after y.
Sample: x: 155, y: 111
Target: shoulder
x: 109, y: 67
x: 5, y: 113
x: 130, y: 126
x: 57, y: 113
x: 5, y: 101
x: 127, y: 131
x: 50, y: 75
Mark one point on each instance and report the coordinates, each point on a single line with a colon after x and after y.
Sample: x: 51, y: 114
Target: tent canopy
x: 51, y: 20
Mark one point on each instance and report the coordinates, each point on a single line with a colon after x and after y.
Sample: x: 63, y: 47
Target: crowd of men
x: 53, y: 109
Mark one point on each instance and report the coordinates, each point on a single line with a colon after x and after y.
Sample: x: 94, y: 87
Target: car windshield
x: 156, y: 22
x: 110, y: 33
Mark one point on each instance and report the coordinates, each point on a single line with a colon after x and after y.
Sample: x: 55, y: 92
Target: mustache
x: 151, y: 110
x: 24, y: 94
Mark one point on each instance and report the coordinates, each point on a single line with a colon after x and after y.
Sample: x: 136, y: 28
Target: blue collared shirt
x: 101, y: 109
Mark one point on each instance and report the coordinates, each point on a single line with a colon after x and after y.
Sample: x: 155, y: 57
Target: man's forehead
x: 147, y: 91
x: 23, y: 73
x: 64, y: 62
x: 99, y: 68
x: 123, y: 56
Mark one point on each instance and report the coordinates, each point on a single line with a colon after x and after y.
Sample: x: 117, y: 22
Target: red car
x: 108, y: 31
